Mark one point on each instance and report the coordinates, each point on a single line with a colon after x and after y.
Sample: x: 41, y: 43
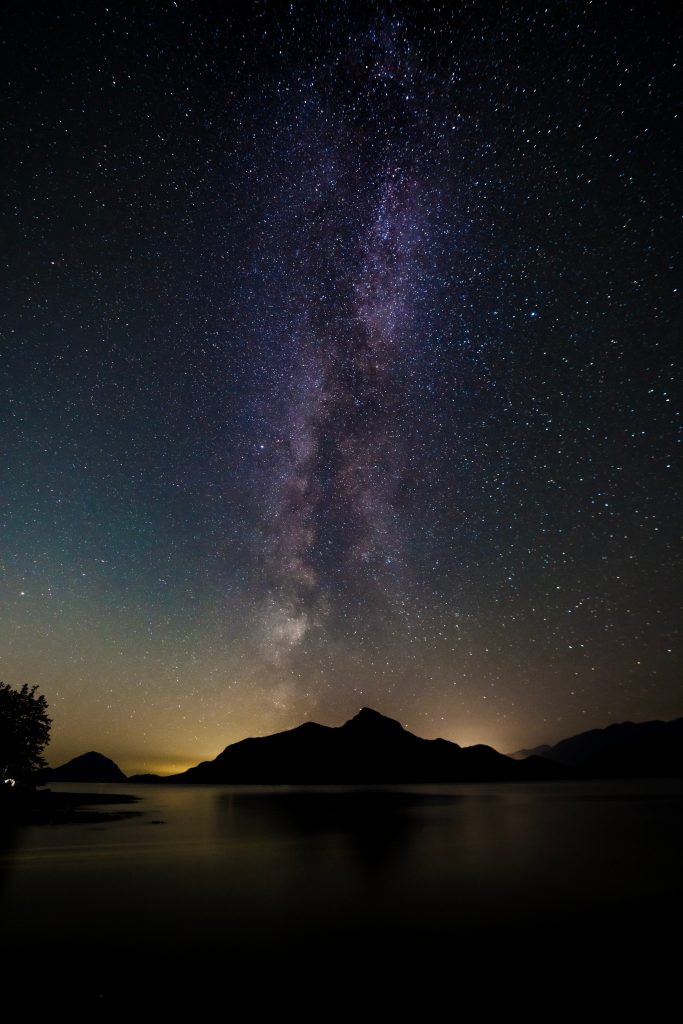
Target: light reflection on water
x: 292, y: 876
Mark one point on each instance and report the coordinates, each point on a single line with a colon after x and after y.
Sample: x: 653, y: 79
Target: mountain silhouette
x: 627, y: 749
x: 369, y: 748
x: 90, y: 767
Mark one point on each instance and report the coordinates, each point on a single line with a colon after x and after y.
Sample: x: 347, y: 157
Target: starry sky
x: 338, y: 367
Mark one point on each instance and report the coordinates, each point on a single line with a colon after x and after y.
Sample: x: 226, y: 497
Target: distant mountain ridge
x: 521, y: 755
x: 623, y: 749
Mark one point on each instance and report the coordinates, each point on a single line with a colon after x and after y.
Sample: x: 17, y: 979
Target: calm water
x: 220, y: 888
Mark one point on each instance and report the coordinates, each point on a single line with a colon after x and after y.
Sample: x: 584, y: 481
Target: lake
x: 224, y: 891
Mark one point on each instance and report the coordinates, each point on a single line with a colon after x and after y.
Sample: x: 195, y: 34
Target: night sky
x: 338, y: 361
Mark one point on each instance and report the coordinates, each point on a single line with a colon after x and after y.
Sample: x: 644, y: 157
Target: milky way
x: 354, y: 252
x: 339, y: 366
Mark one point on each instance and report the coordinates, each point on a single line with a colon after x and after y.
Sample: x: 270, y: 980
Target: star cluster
x: 339, y: 367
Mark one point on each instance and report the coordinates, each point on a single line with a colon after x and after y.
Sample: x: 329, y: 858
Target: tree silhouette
x: 24, y: 732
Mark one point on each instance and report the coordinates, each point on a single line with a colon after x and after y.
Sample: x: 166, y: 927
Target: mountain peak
x: 370, y: 720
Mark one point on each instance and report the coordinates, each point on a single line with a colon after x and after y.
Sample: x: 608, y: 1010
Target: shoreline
x: 45, y: 807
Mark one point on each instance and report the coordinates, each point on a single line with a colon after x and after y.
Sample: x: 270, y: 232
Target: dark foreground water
x: 483, y: 893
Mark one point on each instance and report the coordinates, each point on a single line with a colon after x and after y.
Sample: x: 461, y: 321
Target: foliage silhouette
x: 24, y: 732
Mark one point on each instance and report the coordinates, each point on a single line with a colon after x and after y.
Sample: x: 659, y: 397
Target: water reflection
x: 242, y: 880
x: 374, y: 826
